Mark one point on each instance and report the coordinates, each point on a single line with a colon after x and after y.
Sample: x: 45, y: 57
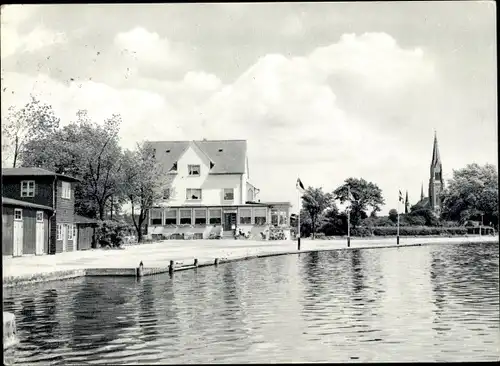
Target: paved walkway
x: 156, y: 255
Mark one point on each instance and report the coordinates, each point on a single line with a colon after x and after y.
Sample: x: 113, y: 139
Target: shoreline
x: 157, y: 256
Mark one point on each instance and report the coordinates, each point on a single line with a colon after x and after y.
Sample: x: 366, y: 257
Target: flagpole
x: 349, y: 219
x: 397, y: 238
x: 298, y: 220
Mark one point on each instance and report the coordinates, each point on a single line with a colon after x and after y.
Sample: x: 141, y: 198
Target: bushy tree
x: 367, y: 196
x: 471, y: 192
x: 315, y: 202
x: 393, y: 215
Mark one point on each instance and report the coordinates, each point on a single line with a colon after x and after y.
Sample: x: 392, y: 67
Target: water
x: 430, y: 303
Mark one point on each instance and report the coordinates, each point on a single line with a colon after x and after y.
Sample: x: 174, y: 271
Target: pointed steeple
x: 407, y: 203
x: 436, y: 159
x: 422, y: 192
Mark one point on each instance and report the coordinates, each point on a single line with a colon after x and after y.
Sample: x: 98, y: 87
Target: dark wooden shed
x: 86, y: 228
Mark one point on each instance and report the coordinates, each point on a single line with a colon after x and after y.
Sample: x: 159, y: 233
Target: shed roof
x: 228, y: 156
x: 12, y: 202
x: 84, y: 220
x: 34, y: 172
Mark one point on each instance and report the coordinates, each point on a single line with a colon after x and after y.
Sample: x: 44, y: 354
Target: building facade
x: 210, y: 193
x: 40, y: 187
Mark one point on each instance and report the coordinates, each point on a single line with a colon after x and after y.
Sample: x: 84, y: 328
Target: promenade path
x: 159, y: 254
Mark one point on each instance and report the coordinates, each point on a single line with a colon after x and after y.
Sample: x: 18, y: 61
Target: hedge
x: 419, y: 231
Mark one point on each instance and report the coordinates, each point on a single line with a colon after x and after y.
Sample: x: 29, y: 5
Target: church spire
x: 436, y: 159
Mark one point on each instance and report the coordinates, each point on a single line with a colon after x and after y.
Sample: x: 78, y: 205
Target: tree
x: 31, y: 122
x: 315, y: 202
x: 366, y: 196
x: 144, y: 183
x: 333, y: 222
x: 393, y: 215
x: 88, y: 151
x: 472, y: 192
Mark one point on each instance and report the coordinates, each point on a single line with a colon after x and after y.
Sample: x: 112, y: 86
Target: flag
x: 401, y: 197
x: 349, y: 194
x: 300, y: 186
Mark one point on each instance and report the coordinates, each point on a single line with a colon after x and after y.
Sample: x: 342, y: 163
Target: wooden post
x: 171, y: 267
x: 196, y: 262
x: 140, y: 270
x: 216, y: 262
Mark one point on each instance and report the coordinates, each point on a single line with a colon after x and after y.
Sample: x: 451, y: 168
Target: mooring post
x: 171, y: 267
x: 397, y: 240
x: 348, y: 241
x: 140, y: 270
x: 196, y: 262
x: 298, y: 243
x: 216, y: 261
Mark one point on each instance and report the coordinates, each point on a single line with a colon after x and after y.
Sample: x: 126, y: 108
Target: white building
x: 211, y: 191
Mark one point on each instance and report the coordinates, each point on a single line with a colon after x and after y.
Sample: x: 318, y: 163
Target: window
x: 283, y: 218
x: 39, y: 216
x: 245, y: 215
x: 59, y: 232
x: 250, y: 194
x: 28, y: 188
x: 200, y: 216
x: 215, y: 216
x: 166, y: 193
x: 228, y: 194
x: 18, y: 214
x: 66, y: 190
x: 260, y: 216
x: 171, y: 217
x: 69, y: 230
x: 193, y: 194
x: 74, y: 231
x: 274, y: 217
x: 185, y: 216
x: 194, y: 170
x: 155, y: 217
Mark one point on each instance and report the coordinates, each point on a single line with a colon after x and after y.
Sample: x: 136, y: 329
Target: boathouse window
x: 185, y: 217
x: 245, y: 215
x: 215, y: 216
x: 18, y: 214
x: 155, y: 217
x: 260, y: 216
x: 274, y: 217
x: 228, y: 194
x: 28, y: 188
x: 66, y: 190
x: 69, y: 230
x: 193, y: 194
x: 59, y: 232
x: 171, y: 217
x: 194, y: 170
x: 200, y: 216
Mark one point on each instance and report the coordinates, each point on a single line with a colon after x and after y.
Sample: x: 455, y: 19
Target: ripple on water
x: 428, y: 304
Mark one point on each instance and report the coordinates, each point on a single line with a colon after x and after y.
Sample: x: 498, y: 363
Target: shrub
x: 361, y: 231
x: 112, y: 232
x: 419, y: 231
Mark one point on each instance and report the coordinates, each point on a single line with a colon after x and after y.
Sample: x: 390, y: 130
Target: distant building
x: 436, y: 183
x: 210, y: 192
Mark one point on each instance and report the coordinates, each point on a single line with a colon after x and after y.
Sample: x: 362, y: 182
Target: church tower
x: 436, y: 185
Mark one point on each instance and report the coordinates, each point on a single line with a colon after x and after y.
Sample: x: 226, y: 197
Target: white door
x: 40, y: 233
x: 65, y: 237
x: 75, y: 238
x: 18, y: 233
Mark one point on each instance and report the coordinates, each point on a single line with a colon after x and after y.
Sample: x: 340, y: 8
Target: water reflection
x: 434, y: 303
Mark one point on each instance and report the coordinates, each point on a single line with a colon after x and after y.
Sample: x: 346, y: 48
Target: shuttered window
x: 200, y: 216
x: 185, y: 216
x: 171, y: 217
x: 245, y: 215
x: 260, y: 215
x: 215, y: 216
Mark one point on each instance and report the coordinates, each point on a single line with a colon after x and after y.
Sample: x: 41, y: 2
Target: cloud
x: 148, y: 48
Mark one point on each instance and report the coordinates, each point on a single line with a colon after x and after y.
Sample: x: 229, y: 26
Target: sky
x: 321, y: 91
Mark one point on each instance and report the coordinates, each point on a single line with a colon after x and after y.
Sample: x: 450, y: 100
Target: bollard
x: 196, y: 262
x: 216, y: 261
x: 171, y: 267
x: 139, y: 271
x: 397, y: 240
x: 348, y: 241
x: 298, y: 243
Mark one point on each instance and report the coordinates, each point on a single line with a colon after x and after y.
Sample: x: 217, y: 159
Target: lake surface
x: 430, y: 303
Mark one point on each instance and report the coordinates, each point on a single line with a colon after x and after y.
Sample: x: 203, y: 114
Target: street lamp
x: 481, y: 225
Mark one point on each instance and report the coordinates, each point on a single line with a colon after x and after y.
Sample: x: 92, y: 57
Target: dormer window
x: 174, y: 167
x: 167, y: 151
x: 221, y: 150
x: 166, y: 193
x: 28, y: 188
x: 194, y: 170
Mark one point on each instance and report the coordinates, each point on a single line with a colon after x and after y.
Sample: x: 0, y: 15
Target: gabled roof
x: 227, y: 156
x: 12, y: 202
x: 33, y: 172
